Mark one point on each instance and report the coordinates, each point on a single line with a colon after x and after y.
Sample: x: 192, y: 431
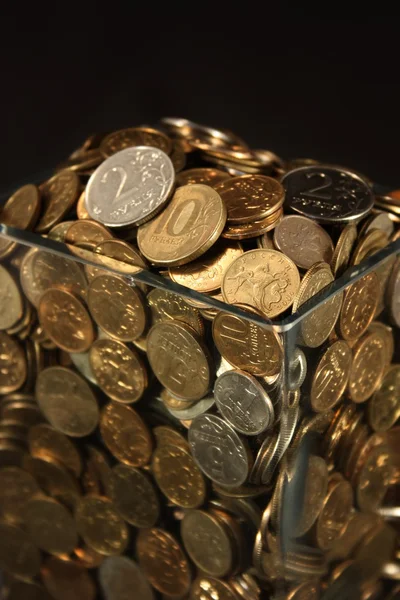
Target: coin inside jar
x: 20, y: 211
x: 303, y: 240
x: 356, y: 316
x: 58, y: 195
x: 367, y: 367
x: 18, y: 555
x: 51, y: 525
x: 166, y: 306
x: 11, y: 304
x: 13, y: 371
x: 331, y: 376
x: 119, y: 576
x: 384, y: 406
x: 100, y: 525
x: 134, y: 496
x: 44, y: 440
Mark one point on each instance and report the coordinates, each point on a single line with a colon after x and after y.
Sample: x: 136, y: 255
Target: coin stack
x: 157, y: 443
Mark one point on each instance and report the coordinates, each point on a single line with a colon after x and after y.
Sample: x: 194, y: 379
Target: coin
x: 178, y: 359
x: 373, y: 479
x: 134, y: 496
x: 119, y: 576
x: 367, y: 367
x: 118, y: 255
x: 125, y: 435
x: 16, y: 488
x: 327, y: 194
x: 334, y: 514
x: 20, y: 211
x: 331, y: 376
x: 11, y: 306
x: 53, y: 479
x: 342, y: 252
x: 369, y: 244
x: 86, y: 234
x: 243, y: 231
x: 67, y: 401
x: 303, y: 240
x: 210, y: 588
x: 134, y: 136
x: 117, y: 307
x: 387, y: 335
x: 206, y: 176
x: 315, y: 489
x: 118, y: 370
x: 51, y: 525
x: 167, y: 436
x: 219, y: 451
x: 58, y: 195
x: 265, y: 279
x: 359, y: 305
x: 393, y: 294
x: 13, y: 367
x: 28, y: 590
x: 163, y: 562
x: 130, y: 187
x: 166, y: 306
x: 190, y: 224
x: 45, y: 441
x: 178, y: 476
x: 100, y: 525
x: 309, y: 590
x: 18, y: 555
x: 66, y: 580
x: 384, y: 406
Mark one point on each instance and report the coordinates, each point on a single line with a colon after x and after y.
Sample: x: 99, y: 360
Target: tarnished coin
x: 166, y: 306
x: 243, y: 402
x: 331, y: 376
x: 100, y: 525
x: 50, y: 525
x: 265, y: 279
x: 178, y: 476
x: 125, y: 434
x: 67, y: 401
x: 163, y: 562
x: 18, y: 555
x: 327, y: 194
x: 20, y: 211
x: 66, y: 580
x: 206, y: 176
x: 53, y: 479
x: 120, y: 578
x: 11, y: 305
x: 315, y: 489
x: 219, y: 451
x: 13, y: 366
x: 393, y: 294
x: 210, y: 588
x: 178, y: 359
x: 190, y: 224
x: 343, y: 249
x: 303, y: 240
x: 58, y: 195
x: 359, y: 305
x: 117, y: 307
x: 373, y: 479
x: 134, y: 136
x: 367, y: 367
x: 130, y: 187
x: 45, y: 441
x: 65, y: 320
x: 16, y: 488
x: 119, y: 371
x: 335, y: 512
x: 134, y: 496
x: 384, y: 406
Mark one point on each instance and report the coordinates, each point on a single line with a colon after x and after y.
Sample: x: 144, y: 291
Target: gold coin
x: 367, y: 368
x: 118, y: 370
x: 53, y: 479
x: 45, y: 441
x: 126, y: 435
x: 20, y: 211
x: 331, y: 376
x: 117, y: 255
x: 370, y: 243
x: 387, y: 335
x: 384, y: 406
x: 178, y: 359
x: 206, y: 176
x: 81, y: 211
x: 51, y: 525
x: 167, y: 436
x: 134, y: 136
x: 190, y: 224
x: 316, y: 327
x: 67, y: 401
x: 334, y: 515
x: 163, y: 562
x: 18, y: 555
x: 65, y: 320
x: 117, y: 307
x: 205, y: 274
x: 303, y: 240
x: 58, y: 195
x: 134, y: 496
x: 86, y: 234
x: 373, y: 479
x: 247, y: 346
x: 166, y: 306
x: 11, y: 306
x: 265, y: 279
x: 16, y: 488
x: 178, y: 476
x: 342, y: 252
x: 65, y: 580
x: 315, y: 489
x: 359, y: 305
x: 243, y: 231
x: 210, y: 588
x: 13, y: 367
x: 100, y: 525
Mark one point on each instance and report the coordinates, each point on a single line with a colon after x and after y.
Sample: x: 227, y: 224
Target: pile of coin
x: 156, y: 443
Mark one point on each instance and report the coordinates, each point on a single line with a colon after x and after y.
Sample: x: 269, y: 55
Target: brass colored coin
x: 387, y: 335
x: 59, y: 231
x: 343, y: 249
x: 251, y: 197
x: 206, y: 176
x: 331, y: 376
x: 384, y: 406
x: 65, y: 580
x: 210, y: 588
x: 134, y: 496
x: 51, y: 525
x: 18, y: 555
x: 178, y: 359
x: 173, y: 403
x: 86, y: 234
x: 247, y: 346
x: 178, y: 476
x: 376, y: 550
x: 367, y: 368
x: 11, y: 306
x: 243, y: 231
x: 190, y: 224
x: 334, y: 514
x: 265, y: 279
x: 65, y: 320
x: 121, y: 578
x: 100, y: 469
x: 117, y: 255
x: 81, y: 210
x: 309, y: 590
x: 58, y: 195
x: 134, y: 136
x: 393, y: 294
x: 205, y: 274
x: 303, y: 240
x: 167, y: 436
x: 16, y: 488
x: 100, y: 525
x: 117, y: 307
x: 374, y: 479
x: 359, y: 305
x: 358, y: 524
x: 45, y: 441
x: 13, y: 366
x: 163, y: 562
x: 316, y: 486
x: 370, y: 243
x: 53, y: 479
x: 166, y: 306
x: 126, y: 435
x: 20, y: 211
x: 118, y: 370
x: 67, y: 401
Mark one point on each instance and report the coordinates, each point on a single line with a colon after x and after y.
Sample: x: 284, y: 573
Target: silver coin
x: 130, y: 187
x: 218, y: 450
x: 289, y: 421
x: 121, y: 579
x: 327, y: 194
x: 243, y: 402
x: 297, y: 370
x: 200, y: 407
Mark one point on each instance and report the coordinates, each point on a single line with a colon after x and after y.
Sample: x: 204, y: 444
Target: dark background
x: 300, y: 86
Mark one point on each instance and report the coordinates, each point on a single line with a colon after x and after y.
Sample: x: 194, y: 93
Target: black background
x: 300, y: 86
